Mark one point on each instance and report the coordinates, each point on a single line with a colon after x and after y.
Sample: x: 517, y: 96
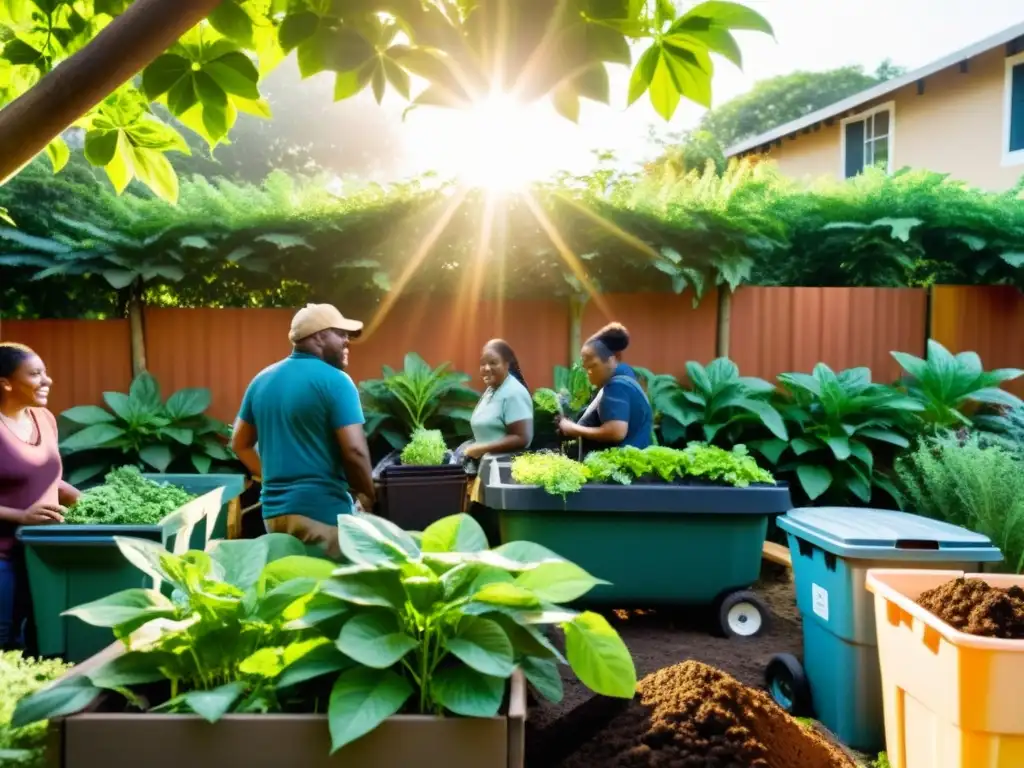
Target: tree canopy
x: 460, y: 49
x: 778, y: 100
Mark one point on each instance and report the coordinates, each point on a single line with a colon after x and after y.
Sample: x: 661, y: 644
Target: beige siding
x: 954, y: 127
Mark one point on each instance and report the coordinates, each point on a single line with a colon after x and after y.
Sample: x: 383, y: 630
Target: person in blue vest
x: 620, y: 413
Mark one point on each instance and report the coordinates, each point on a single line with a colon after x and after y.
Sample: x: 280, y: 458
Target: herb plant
x: 426, y: 449
x: 127, y: 498
x: 417, y: 397
x: 20, y: 676
x: 968, y: 485
x: 546, y: 401
x: 140, y: 428
x: 557, y: 474
x: 431, y: 626
x: 951, y: 387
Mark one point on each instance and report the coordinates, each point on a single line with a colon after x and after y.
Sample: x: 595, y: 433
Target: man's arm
x: 243, y: 443
x: 355, y: 454
x: 346, y: 414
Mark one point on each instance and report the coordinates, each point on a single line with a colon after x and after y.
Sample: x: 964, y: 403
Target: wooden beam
x: 120, y: 51
x: 776, y: 553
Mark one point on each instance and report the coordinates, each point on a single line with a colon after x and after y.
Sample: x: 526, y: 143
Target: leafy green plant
x: 546, y: 401
x: 140, y: 427
x: 951, y: 387
x: 1005, y: 430
x: 723, y: 404
x: 836, y: 422
x: 20, y: 676
x: 573, y: 388
x: 736, y: 467
x: 664, y: 394
x: 432, y: 625
x: 127, y: 498
x: 965, y: 484
x: 618, y: 465
x: 882, y: 761
x: 557, y: 474
x: 417, y: 397
x: 426, y: 449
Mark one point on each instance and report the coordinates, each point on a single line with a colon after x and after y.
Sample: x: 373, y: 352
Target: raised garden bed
x: 71, y: 564
x: 682, y: 543
x: 413, y: 497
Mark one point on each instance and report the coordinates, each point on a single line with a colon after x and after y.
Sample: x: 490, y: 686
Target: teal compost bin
x: 832, y: 549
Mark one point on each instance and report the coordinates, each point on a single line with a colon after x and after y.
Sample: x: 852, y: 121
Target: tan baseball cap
x: 314, y: 318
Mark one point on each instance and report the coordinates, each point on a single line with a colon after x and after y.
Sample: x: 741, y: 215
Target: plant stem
x: 424, y: 680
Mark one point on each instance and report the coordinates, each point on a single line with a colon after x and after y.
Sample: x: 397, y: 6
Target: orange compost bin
x: 952, y: 700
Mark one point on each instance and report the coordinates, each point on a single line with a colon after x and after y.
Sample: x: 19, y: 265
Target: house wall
x: 954, y: 127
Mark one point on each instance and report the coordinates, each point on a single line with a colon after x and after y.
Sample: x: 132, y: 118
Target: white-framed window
x: 867, y: 140
x: 1013, y: 112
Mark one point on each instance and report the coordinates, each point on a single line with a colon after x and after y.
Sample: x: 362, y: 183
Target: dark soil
x: 659, y: 639
x: 974, y: 607
x: 692, y: 715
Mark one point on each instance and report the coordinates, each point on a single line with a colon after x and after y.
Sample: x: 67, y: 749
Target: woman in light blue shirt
x: 503, y: 419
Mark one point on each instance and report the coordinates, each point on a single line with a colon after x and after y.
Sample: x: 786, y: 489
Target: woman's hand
x: 474, y: 451
x: 568, y: 427
x: 42, y: 514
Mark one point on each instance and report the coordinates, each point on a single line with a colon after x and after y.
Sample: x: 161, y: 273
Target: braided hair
x: 506, y: 353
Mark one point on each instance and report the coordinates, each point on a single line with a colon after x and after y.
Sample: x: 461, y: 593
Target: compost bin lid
x: 885, y: 534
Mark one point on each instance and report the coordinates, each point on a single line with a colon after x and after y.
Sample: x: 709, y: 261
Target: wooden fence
x: 767, y: 331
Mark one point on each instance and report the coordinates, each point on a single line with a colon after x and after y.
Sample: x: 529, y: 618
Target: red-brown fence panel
x: 85, y: 357
x: 987, y: 319
x: 777, y: 330
x: 665, y: 329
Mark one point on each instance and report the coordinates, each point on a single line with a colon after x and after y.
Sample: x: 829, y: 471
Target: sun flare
x: 498, y: 144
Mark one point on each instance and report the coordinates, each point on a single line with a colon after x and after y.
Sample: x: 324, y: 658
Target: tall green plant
x: 837, y: 423
x: 950, y: 388
x: 141, y: 428
x: 722, y: 404
x: 431, y: 625
x: 965, y: 484
x: 417, y: 397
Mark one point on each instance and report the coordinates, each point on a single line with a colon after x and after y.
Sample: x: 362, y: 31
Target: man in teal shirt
x: 305, y: 413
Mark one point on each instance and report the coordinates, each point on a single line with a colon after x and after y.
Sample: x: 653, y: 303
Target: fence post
x: 577, y: 304
x: 724, y: 318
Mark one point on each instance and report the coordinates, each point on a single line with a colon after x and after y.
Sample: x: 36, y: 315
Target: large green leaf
x: 188, y: 402
x: 124, y: 606
x: 366, y: 586
x: 362, y: 699
x: 88, y: 415
x: 558, y: 582
x: 213, y: 704
x: 455, y: 533
x: 598, y: 656
x: 483, y: 645
x: 375, y: 639
x: 544, y: 676
x: 467, y: 692
x: 814, y: 479
x: 92, y: 437
x: 363, y: 544
x: 64, y: 698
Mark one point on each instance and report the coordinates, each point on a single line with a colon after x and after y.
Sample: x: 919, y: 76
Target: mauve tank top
x: 29, y: 473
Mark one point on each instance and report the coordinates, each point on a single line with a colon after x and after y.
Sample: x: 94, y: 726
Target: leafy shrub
x: 426, y: 626
x: 736, y: 467
x: 723, y: 404
x: 23, y: 747
x: 557, y: 474
x: 951, y: 387
x: 836, y: 423
x: 426, y: 449
x: 127, y: 498
x: 981, y: 489
x: 417, y: 397
x: 140, y: 428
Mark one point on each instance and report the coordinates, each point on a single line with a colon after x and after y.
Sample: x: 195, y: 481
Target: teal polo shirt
x: 296, y: 406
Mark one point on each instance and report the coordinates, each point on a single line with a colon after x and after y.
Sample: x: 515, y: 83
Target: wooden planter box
x: 118, y: 740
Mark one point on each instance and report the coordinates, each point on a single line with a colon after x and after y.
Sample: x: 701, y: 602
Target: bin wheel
x: 742, y: 614
x: 787, y: 683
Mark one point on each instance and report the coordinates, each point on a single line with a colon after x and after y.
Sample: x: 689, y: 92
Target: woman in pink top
x: 31, y: 489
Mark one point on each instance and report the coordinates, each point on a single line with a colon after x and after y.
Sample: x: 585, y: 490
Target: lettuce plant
x: 557, y: 474
x: 426, y: 449
x: 127, y: 498
x: 434, y: 623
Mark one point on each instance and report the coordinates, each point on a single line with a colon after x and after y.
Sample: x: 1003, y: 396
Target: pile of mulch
x: 691, y: 715
x: 974, y: 607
